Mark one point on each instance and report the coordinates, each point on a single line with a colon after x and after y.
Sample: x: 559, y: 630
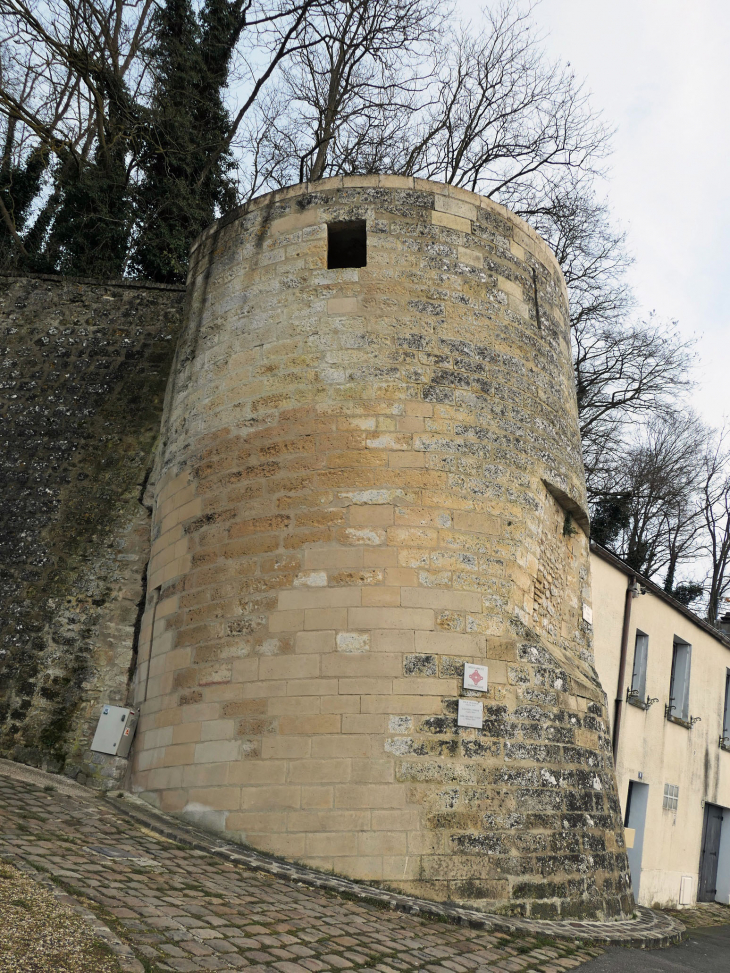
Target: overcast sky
x: 660, y: 72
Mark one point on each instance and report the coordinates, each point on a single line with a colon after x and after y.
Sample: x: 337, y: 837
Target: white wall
x: 664, y: 752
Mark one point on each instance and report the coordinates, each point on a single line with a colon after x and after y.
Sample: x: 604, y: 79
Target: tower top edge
x: 538, y: 247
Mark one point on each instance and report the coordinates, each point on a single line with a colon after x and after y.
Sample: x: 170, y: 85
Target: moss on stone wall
x: 83, y: 369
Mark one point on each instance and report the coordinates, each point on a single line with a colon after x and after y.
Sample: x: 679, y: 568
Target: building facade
x: 369, y: 481
x: 673, y: 753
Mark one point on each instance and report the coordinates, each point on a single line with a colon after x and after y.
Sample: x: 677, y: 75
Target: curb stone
x: 124, y: 955
x: 65, y: 786
x: 650, y: 930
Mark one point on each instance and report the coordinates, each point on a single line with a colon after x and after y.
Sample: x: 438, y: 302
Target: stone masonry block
x: 320, y: 642
x: 454, y: 600
x: 381, y: 596
x: 319, y: 598
x: 382, y: 843
x: 450, y: 643
x: 248, y: 772
x: 217, y: 750
x: 390, y: 618
x: 318, y: 796
x: 334, y: 844
x: 451, y: 221
x: 333, y: 747
x: 339, y: 704
x: 370, y: 796
x: 311, y: 687
x: 271, y: 797
x: 310, y: 725
x: 320, y: 771
x: 327, y: 618
x: 456, y: 207
x: 332, y: 558
x: 289, y: 667
x: 359, y: 665
x: 285, y: 748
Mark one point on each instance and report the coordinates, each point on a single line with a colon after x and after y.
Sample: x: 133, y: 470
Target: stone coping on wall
x: 649, y: 930
x: 131, y: 283
x: 537, y: 245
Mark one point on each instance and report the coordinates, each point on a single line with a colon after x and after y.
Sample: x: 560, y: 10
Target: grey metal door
x: 636, y: 802
x: 710, y: 849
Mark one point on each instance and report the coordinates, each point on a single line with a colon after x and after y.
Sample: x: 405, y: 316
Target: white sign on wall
x: 587, y: 614
x: 475, y: 677
x: 471, y: 713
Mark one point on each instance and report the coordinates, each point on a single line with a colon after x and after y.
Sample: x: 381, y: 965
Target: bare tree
x: 475, y: 106
x: 269, y: 33
x: 503, y: 120
x: 73, y: 54
x: 651, y: 516
x: 76, y: 89
x: 592, y: 254
x: 682, y: 546
x: 343, y: 99
x: 83, y: 73
x: 626, y: 374
x: 716, y: 517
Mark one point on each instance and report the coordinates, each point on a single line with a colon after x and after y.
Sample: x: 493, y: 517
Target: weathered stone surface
x: 83, y: 367
x: 355, y: 494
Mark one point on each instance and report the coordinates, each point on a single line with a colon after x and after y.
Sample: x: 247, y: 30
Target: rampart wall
x: 83, y: 368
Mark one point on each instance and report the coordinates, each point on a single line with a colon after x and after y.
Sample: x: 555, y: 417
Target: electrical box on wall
x: 685, y: 890
x: 115, y: 731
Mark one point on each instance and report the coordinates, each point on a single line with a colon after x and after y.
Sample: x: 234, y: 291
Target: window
x: 347, y: 244
x: 678, y: 707
x: 671, y: 797
x: 638, y: 678
x: 725, y: 738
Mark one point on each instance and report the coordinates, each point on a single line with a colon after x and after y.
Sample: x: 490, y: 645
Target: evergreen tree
x: 609, y: 517
x: 91, y: 225
x: 187, y: 123
x: 687, y: 592
x: 20, y: 184
x: 94, y: 198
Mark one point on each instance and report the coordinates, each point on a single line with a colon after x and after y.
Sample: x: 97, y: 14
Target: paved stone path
x: 646, y: 929
x: 185, y: 910
x: 703, y: 914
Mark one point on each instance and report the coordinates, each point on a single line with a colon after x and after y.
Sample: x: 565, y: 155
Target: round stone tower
x: 369, y: 477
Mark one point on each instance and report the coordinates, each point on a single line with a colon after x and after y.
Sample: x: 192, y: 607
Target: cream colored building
x: 672, y: 755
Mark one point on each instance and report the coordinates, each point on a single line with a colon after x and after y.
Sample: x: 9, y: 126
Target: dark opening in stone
x: 347, y: 244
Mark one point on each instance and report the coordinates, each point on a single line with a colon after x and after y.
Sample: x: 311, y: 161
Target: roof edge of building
x: 621, y: 565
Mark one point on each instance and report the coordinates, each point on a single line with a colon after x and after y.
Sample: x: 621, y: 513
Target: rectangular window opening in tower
x: 347, y: 244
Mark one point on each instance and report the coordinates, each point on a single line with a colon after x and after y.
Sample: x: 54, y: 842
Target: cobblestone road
x: 186, y: 910
x: 703, y: 915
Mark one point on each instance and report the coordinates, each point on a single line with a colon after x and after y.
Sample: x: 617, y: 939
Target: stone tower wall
x: 368, y: 477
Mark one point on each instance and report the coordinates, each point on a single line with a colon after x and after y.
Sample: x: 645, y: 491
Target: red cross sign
x: 475, y: 677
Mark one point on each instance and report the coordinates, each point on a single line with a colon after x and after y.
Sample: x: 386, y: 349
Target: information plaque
x: 471, y: 713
